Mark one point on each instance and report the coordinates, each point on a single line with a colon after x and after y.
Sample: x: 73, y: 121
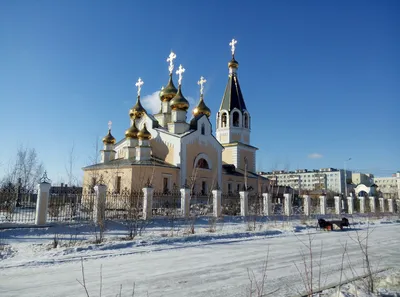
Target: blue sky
x: 320, y: 78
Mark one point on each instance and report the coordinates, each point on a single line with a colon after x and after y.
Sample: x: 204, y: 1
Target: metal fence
x: 230, y: 204
x: 17, y: 206
x: 166, y: 202
x: 201, y: 204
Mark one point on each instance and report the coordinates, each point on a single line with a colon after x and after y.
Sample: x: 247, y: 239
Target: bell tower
x: 234, y: 122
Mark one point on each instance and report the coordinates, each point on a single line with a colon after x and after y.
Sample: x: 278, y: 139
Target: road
x: 217, y: 268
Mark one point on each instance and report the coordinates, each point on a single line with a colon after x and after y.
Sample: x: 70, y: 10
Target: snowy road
x: 205, y: 269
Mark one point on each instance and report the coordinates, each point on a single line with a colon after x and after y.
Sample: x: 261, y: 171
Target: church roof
x: 233, y: 97
x: 118, y: 163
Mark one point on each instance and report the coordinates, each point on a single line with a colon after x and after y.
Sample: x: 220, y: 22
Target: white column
x: 42, y: 203
x: 382, y: 204
x: 372, y: 204
x: 362, y: 204
x: 147, y: 202
x: 307, y: 205
x: 99, y: 207
x: 185, y: 202
x: 350, y: 205
x: 244, y: 203
x: 337, y: 205
x: 322, y: 204
x: 217, y: 202
x: 391, y: 205
x: 267, y: 204
x: 288, y: 204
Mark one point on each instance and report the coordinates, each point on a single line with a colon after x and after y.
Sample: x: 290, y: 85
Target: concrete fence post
x: 322, y: 204
x: 244, y: 203
x: 267, y: 204
x: 147, y: 202
x: 99, y: 207
x: 350, y: 205
x: 338, y: 205
x: 391, y: 205
x: 217, y: 202
x: 288, y: 204
x: 307, y: 205
x: 362, y: 204
x: 372, y: 204
x: 382, y: 204
x: 185, y: 202
x: 42, y: 203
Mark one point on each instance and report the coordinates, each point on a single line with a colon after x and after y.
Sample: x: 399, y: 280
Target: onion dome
x: 201, y: 108
x: 144, y: 133
x: 109, y: 139
x: 233, y: 63
x: 132, y: 132
x: 137, y: 111
x: 179, y: 102
x: 169, y: 92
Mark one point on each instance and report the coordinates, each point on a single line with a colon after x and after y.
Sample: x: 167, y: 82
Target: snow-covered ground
x: 165, y: 263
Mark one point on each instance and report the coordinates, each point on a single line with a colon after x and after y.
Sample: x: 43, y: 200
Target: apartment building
x: 329, y: 179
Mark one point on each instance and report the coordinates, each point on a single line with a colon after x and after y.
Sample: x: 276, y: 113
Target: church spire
x: 233, y: 97
x: 201, y: 108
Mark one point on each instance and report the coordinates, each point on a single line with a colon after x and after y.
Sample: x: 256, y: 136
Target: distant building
x: 327, y: 179
x: 362, y: 178
x: 389, y: 187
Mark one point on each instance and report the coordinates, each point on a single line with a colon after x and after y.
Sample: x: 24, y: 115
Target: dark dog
x: 324, y: 224
x: 345, y: 223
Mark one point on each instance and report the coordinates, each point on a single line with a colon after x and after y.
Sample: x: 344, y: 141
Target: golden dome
x: 169, y: 92
x: 144, y: 133
x: 137, y: 111
x: 109, y: 139
x: 233, y: 63
x: 179, y: 102
x: 201, y: 108
x: 132, y: 132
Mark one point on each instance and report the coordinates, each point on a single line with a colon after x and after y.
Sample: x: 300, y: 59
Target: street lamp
x: 345, y: 177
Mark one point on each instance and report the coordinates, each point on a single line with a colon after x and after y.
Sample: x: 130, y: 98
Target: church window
x: 165, y: 185
x: 117, y: 184
x: 202, y: 164
x: 203, y: 129
x: 218, y: 118
x: 238, y: 188
x: 203, y: 188
x: 236, y: 119
x: 246, y: 120
x: 224, y: 120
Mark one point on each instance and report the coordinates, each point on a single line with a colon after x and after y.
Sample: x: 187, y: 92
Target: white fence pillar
x: 362, y: 204
x: 350, y: 205
x: 244, y: 203
x: 42, y: 203
x: 338, y: 205
x: 147, y: 202
x: 185, y: 202
x: 217, y: 202
x: 322, y: 204
x: 288, y: 204
x: 307, y: 205
x: 99, y: 207
x: 382, y: 204
x: 372, y: 204
x: 267, y: 204
x: 391, y: 205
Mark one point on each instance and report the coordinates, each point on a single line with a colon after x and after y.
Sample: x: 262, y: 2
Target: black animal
x: 326, y: 225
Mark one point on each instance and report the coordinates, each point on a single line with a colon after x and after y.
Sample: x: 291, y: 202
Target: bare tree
x: 69, y: 167
x: 27, y: 169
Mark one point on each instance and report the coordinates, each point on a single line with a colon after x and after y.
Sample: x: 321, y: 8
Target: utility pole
x: 345, y: 176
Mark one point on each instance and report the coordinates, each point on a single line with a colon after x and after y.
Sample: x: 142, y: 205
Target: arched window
x: 224, y: 119
x: 236, y: 119
x: 246, y: 120
x: 218, y: 118
x: 202, y: 163
x: 203, y: 129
